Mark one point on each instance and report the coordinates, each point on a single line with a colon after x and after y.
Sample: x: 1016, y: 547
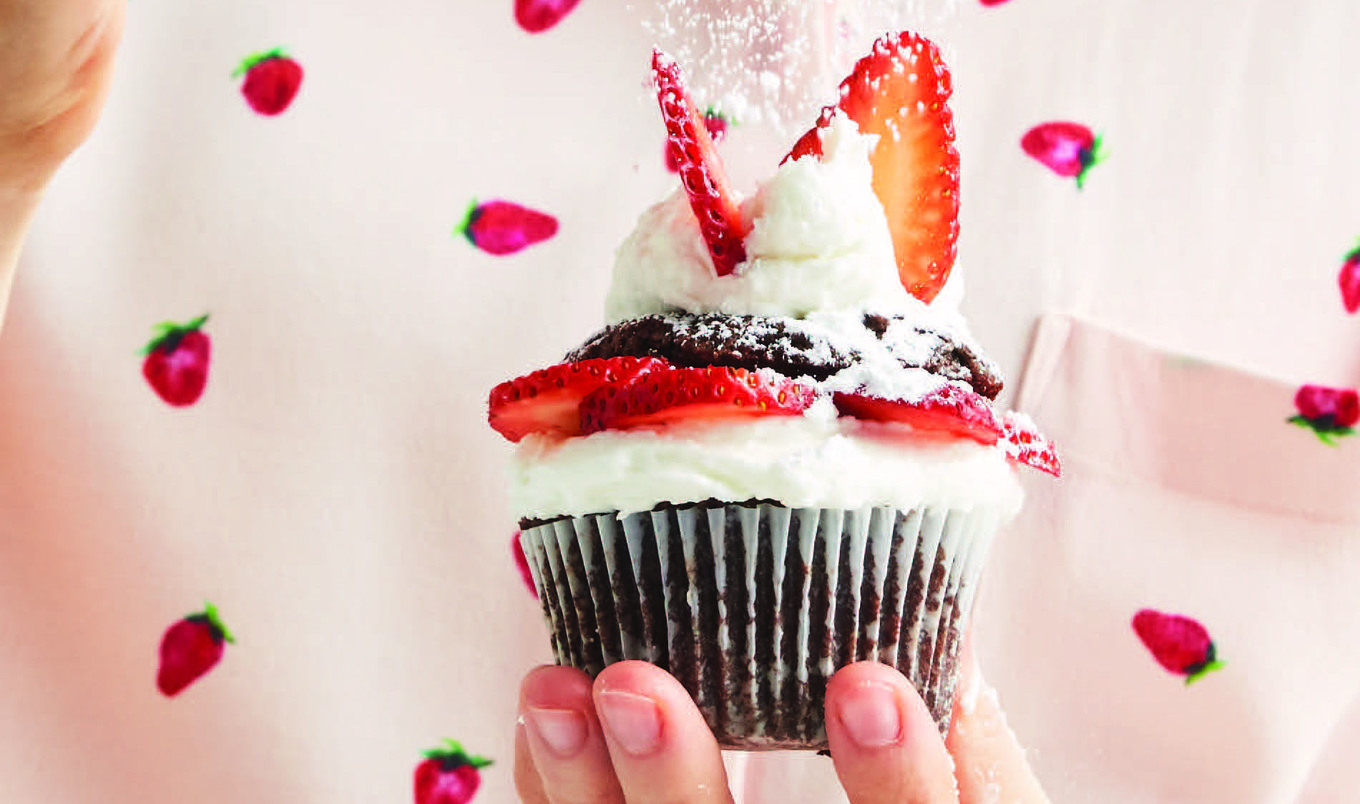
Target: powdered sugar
x: 891, y: 365
x: 886, y: 355
x: 880, y: 369
x: 776, y: 62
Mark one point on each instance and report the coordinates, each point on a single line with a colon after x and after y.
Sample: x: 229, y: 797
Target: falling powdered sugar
x: 775, y: 62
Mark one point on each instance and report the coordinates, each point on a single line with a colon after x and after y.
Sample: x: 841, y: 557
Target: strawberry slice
x: 547, y: 400
x: 717, y: 125
x: 671, y: 395
x: 950, y: 411
x: 691, y: 146
x: 1025, y: 444
x: 900, y: 92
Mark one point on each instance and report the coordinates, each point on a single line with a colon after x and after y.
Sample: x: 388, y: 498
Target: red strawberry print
x: 900, y: 92
x: 1068, y: 149
x: 548, y: 400
x: 522, y: 561
x: 701, y: 171
x: 1331, y: 413
x: 992, y: 2
x: 537, y: 16
x: 1178, y: 643
x: 448, y: 775
x: 1349, y: 279
x: 272, y: 81
x: 950, y: 411
x: 176, y: 361
x: 673, y: 395
x: 717, y: 126
x: 504, y: 227
x: 1025, y: 444
x: 190, y: 648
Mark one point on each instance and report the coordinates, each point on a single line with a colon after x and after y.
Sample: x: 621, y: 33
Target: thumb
x: 988, y: 760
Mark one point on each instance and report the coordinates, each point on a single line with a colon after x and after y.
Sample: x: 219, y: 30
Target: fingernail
x: 871, y: 715
x: 634, y: 721
x: 562, y: 730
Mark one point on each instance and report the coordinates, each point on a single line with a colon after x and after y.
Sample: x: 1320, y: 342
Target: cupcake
x: 781, y: 455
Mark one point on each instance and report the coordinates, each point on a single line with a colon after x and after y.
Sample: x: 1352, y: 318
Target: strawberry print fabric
x: 1251, y: 547
x: 1180, y: 644
x: 1068, y: 149
x: 270, y: 81
x: 335, y: 489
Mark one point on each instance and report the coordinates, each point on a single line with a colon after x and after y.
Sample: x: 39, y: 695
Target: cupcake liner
x: 753, y: 607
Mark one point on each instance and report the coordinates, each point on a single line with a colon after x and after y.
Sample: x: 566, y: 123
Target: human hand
x: 56, y: 61
x: 635, y: 737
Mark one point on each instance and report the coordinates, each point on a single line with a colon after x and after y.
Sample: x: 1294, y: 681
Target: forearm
x: 16, y: 212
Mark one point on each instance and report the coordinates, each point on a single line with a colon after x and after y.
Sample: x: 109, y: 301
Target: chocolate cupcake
x: 781, y: 456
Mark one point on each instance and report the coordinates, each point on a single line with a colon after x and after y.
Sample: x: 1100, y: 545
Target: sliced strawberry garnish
x: 701, y: 172
x: 547, y: 400
x: 900, y: 92
x: 1024, y: 444
x: 717, y: 125
x: 950, y: 410
x: 673, y: 395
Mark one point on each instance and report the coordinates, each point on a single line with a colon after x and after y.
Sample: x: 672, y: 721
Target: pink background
x: 337, y: 494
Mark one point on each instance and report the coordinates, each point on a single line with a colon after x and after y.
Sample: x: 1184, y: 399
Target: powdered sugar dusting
x: 880, y: 370
x: 890, y: 356
x: 890, y: 367
x: 777, y: 61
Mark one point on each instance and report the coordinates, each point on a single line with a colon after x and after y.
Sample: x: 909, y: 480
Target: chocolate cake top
x: 793, y: 347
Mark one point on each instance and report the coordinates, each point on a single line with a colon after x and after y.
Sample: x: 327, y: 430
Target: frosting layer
x: 813, y: 460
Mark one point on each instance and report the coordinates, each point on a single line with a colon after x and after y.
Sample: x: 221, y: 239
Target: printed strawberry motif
x: 717, y: 126
x: 701, y: 171
x: 992, y: 2
x: 1331, y: 413
x: 673, y: 395
x: 537, y: 16
x: 190, y: 648
x: 522, y: 562
x: 1025, y: 444
x: 548, y: 400
x: 1349, y: 279
x: 1068, y: 149
x: 1178, y: 643
x: 176, y: 361
x: 950, y: 411
x: 272, y: 81
x: 448, y: 775
x: 504, y: 227
x: 900, y: 92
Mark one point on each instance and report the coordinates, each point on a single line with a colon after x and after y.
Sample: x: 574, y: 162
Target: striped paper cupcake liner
x: 753, y: 607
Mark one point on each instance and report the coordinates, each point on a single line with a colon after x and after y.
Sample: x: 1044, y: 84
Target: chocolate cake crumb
x: 876, y: 324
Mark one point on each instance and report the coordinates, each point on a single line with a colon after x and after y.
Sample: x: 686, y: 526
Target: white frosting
x: 819, y: 251
x: 818, y: 242
x: 800, y: 461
